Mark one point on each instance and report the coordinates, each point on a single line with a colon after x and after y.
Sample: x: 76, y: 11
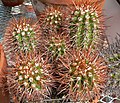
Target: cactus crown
x: 57, y: 47
x: 29, y: 74
x: 22, y: 35
x: 51, y: 18
x: 54, y: 18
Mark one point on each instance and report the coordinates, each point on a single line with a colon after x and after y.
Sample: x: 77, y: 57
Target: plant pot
x: 12, y: 2
x: 4, y: 95
x: 39, y: 5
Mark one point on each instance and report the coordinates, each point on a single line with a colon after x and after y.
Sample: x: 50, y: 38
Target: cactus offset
x: 57, y: 47
x: 86, y: 75
x: 57, y: 44
x: 86, y: 23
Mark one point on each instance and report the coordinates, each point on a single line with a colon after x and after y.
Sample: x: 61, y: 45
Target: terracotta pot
x: 39, y: 5
x: 118, y: 1
x: 4, y: 95
x: 12, y: 2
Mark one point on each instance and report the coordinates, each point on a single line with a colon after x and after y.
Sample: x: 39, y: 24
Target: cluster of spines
x: 85, y: 26
x: 21, y: 35
x: 58, y: 44
x: 57, y: 47
x: 29, y: 78
x: 54, y: 18
x: 86, y: 75
x: 51, y: 19
x: 24, y: 36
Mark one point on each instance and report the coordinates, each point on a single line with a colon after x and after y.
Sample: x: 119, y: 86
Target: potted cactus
x: 56, y: 58
x: 12, y: 2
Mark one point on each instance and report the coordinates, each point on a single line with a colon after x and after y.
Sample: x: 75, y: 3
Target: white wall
x: 112, y: 9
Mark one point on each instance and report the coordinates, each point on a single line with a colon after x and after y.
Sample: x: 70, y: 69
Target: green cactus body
x: 51, y: 19
x: 21, y: 35
x: 57, y: 47
x: 30, y: 78
x: 87, y: 23
x: 54, y: 18
x: 25, y: 37
x: 83, y: 78
x: 86, y: 74
x: 30, y: 75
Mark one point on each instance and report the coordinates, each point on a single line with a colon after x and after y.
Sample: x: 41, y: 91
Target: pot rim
x: 12, y: 3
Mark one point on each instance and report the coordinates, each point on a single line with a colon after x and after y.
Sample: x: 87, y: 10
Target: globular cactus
x: 57, y: 47
x: 86, y: 76
x: 86, y: 23
x: 29, y: 81
x: 112, y: 57
x: 51, y: 19
x: 57, y: 44
x: 21, y: 35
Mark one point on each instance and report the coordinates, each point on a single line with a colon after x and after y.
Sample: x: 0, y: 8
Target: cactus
x: 57, y: 47
x: 86, y: 76
x: 112, y: 57
x: 51, y: 19
x: 29, y: 80
x: 86, y: 23
x: 21, y: 35
x: 58, y: 44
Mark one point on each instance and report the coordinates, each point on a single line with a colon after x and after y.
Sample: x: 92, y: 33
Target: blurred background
x: 112, y: 9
